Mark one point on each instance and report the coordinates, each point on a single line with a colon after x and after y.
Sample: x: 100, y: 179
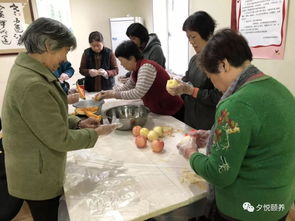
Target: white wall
x: 88, y: 16
x: 282, y: 70
x: 94, y: 16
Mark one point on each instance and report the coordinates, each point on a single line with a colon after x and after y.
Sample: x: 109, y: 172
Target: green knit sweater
x: 252, y: 163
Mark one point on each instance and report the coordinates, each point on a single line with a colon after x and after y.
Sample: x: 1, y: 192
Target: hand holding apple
x: 179, y: 87
x: 171, y: 85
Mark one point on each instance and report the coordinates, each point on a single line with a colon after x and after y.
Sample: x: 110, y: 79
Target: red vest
x: 157, y: 99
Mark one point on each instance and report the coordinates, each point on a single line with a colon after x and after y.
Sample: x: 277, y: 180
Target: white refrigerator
x: 118, y: 27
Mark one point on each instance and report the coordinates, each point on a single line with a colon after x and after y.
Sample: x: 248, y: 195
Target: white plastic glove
x: 93, y: 72
x: 201, y: 137
x: 180, y: 88
x: 105, y: 129
x: 103, y: 73
x: 63, y: 77
x: 89, y: 123
x: 105, y: 95
x: 73, y: 98
x: 187, y: 146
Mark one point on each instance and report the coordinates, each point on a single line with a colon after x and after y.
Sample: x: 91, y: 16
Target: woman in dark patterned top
x: 98, y: 65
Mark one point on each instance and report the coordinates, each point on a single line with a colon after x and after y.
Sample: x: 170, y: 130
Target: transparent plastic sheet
x: 99, y: 187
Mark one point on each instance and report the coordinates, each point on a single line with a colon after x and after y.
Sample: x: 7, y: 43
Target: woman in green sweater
x: 250, y: 150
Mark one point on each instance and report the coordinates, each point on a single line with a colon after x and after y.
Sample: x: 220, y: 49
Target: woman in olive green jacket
x: 37, y: 131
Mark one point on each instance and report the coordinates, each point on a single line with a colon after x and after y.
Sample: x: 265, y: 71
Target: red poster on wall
x: 263, y: 24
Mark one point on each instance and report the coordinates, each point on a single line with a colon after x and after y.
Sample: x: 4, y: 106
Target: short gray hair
x: 47, y: 31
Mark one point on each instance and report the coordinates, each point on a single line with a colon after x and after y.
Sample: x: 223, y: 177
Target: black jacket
x: 199, y: 112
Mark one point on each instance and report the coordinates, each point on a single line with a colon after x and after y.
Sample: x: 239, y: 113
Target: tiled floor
x: 24, y: 214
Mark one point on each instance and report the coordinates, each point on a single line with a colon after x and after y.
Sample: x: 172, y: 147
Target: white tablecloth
x: 117, y: 181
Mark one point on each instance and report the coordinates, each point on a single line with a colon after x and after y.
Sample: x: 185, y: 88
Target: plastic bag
x: 187, y: 145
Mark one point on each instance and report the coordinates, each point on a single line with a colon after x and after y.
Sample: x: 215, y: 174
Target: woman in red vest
x: 147, y: 82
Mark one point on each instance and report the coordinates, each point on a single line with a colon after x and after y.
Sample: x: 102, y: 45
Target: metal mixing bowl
x: 128, y: 115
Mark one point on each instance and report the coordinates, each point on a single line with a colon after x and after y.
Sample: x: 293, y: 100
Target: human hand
x: 105, y: 129
x: 73, y: 98
x: 104, y: 95
x: 93, y: 72
x: 180, y: 88
x: 103, y: 73
x: 89, y: 123
x: 123, y: 80
x: 63, y: 77
x: 72, y: 91
x: 201, y: 137
x: 187, y: 146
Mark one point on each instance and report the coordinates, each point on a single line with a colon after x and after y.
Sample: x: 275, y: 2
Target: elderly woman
x: 98, y: 64
x: 199, y: 94
x: 37, y: 131
x: 147, y: 82
x: 251, y: 152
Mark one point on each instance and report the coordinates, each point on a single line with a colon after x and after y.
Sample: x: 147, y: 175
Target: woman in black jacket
x: 199, y: 94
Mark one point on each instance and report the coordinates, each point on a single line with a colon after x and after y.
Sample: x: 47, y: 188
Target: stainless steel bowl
x: 128, y: 115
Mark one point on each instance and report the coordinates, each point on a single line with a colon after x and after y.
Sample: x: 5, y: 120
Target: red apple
x: 136, y: 130
x: 140, y: 141
x: 158, y: 146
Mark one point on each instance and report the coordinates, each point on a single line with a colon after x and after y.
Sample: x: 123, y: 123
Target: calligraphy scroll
x: 15, y: 16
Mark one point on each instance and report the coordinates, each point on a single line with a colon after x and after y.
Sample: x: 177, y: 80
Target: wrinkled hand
x: 93, y: 72
x: 187, y: 147
x: 105, y: 129
x: 89, y: 123
x: 63, y: 77
x: 201, y: 137
x: 181, y: 88
x: 73, y: 98
x: 104, y: 95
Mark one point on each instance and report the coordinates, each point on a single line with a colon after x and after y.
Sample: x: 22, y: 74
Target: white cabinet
x: 118, y: 27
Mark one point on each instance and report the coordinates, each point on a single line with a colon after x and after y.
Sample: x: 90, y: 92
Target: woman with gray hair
x: 37, y: 131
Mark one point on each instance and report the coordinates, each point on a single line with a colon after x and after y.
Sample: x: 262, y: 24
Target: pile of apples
x: 142, y: 135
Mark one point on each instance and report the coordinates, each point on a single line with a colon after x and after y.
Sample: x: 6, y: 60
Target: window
x: 169, y: 16
x: 55, y: 9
